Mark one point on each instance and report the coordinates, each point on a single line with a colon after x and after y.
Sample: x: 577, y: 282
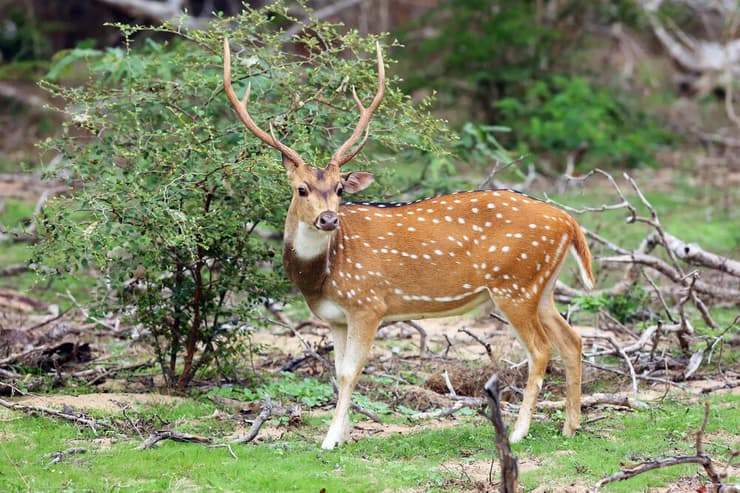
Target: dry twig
x: 79, y: 419
x: 699, y: 458
x: 263, y: 416
x: 159, y: 435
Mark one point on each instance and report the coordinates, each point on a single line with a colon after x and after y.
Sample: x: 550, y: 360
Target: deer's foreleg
x: 352, y: 347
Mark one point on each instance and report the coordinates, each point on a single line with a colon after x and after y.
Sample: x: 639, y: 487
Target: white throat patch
x: 309, y: 242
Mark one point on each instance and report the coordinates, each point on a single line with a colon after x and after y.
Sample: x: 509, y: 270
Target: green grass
x: 692, y: 214
x: 403, y: 461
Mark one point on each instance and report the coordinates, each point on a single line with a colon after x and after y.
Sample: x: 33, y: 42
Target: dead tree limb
x: 159, y: 435
x: 263, y: 416
x: 699, y: 458
x: 445, y: 411
x: 619, y: 350
x: 36, y: 410
x: 480, y: 341
x: 422, y: 336
x: 693, y: 254
x: 57, y: 456
x: 671, y: 273
x: 509, y: 469
x: 14, y: 270
x: 598, y: 399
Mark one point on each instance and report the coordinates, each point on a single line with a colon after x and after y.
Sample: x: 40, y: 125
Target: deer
x: 359, y: 264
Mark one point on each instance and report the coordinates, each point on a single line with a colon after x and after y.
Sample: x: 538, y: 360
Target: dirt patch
x: 99, y: 401
x: 576, y: 487
x: 366, y: 429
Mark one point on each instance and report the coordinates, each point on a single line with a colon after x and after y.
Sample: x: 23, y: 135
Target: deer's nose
x: 327, y: 221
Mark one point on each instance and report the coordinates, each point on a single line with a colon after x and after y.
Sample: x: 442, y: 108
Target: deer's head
x: 317, y: 191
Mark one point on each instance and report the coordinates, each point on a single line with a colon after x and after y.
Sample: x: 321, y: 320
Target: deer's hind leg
x: 531, y: 333
x: 569, y: 345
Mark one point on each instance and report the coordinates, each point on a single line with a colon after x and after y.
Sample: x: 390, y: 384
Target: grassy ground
x: 452, y: 457
x: 449, y: 458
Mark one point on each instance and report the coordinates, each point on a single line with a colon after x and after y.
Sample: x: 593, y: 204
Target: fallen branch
x: 112, y: 371
x: 661, y: 266
x: 14, y: 270
x: 619, y: 350
x: 693, y: 254
x: 638, y: 376
x: 263, y: 416
x: 159, y: 435
x: 726, y: 385
x: 483, y: 343
x: 650, y: 465
x: 422, y: 336
x: 57, y: 456
x: 598, y: 399
x: 35, y: 410
x: 443, y: 412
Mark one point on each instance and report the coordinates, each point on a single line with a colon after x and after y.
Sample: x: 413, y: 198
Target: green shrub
x: 625, y: 307
x: 170, y: 189
x: 558, y: 114
x: 500, y: 61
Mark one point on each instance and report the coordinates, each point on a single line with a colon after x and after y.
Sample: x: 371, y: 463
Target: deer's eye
x: 340, y: 190
x: 302, y: 191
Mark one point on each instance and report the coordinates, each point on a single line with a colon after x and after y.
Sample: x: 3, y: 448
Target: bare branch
x: 263, y: 416
x: 176, y: 436
x: 699, y: 458
x: 34, y: 410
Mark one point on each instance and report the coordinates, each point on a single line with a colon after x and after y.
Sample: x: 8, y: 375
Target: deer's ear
x: 356, y: 181
x: 289, y: 165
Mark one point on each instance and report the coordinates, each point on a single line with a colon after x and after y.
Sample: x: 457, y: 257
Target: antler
x: 341, y: 157
x: 241, y: 109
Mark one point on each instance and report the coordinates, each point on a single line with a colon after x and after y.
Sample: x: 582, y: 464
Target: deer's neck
x: 306, y: 256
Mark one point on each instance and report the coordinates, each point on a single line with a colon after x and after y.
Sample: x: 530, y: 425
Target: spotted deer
x: 358, y: 264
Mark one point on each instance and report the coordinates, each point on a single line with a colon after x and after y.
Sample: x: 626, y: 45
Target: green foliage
x: 307, y: 391
x: 170, y: 188
x: 559, y: 114
x: 625, y: 307
x: 485, y: 47
x: 503, y: 60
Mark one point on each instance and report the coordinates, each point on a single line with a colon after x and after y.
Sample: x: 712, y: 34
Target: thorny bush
x: 170, y: 190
